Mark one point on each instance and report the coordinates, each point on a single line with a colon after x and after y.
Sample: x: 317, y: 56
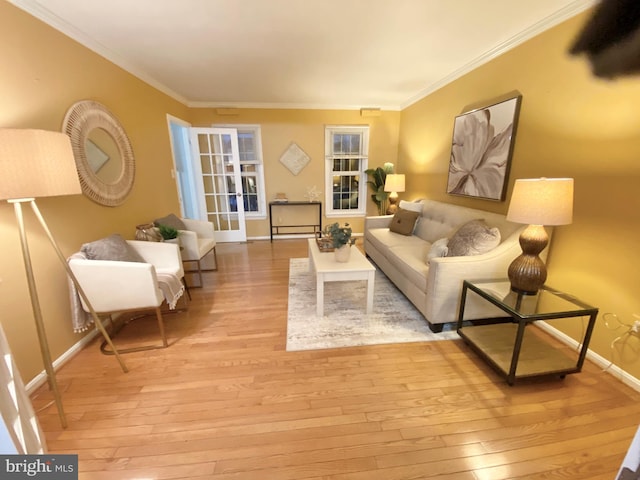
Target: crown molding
x: 34, y: 8
x: 560, y: 16
x: 286, y: 106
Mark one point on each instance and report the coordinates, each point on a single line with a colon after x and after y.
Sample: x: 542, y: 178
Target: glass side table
x: 513, y: 345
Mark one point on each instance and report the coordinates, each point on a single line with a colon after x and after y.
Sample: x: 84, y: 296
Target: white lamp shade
x: 36, y: 163
x: 542, y: 201
x: 394, y: 183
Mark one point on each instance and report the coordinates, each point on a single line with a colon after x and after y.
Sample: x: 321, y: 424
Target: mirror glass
x: 103, y: 156
x: 102, y: 150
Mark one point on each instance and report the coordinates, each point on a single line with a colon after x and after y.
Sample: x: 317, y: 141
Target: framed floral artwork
x: 481, y: 150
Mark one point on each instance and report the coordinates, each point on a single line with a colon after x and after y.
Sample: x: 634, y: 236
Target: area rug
x: 345, y: 323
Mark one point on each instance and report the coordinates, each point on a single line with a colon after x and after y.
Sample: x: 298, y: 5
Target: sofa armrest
x: 381, y: 221
x: 446, y: 274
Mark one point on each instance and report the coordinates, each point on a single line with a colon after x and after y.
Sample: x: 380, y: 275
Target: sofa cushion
x: 410, y: 262
x: 383, y: 239
x: 438, y: 248
x: 403, y: 221
x: 113, y: 247
x: 170, y: 220
x: 473, y: 238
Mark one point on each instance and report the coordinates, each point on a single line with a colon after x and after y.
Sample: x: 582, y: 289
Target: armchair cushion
x: 113, y: 247
x: 172, y: 221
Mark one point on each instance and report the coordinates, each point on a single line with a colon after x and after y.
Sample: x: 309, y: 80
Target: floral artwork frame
x: 481, y: 150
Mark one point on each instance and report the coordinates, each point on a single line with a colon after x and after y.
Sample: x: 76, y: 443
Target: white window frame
x: 363, y: 131
x: 261, y: 214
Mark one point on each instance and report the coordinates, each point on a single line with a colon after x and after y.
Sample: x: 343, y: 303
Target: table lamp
x: 40, y: 163
x: 394, y: 183
x: 538, y: 202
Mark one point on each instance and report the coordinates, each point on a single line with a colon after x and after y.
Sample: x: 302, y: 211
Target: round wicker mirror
x: 103, y: 153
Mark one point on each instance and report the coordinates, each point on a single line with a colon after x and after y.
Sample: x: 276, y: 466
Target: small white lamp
x: 40, y: 163
x: 394, y: 183
x: 538, y: 202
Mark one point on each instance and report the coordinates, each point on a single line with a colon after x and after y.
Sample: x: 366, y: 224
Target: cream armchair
x: 114, y: 286
x: 198, y: 241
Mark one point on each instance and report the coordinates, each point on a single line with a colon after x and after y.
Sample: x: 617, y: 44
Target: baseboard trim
x: 41, y: 378
x: 293, y: 236
x: 607, y: 365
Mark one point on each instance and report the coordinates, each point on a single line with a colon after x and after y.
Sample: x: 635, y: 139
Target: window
x: 346, y: 153
x: 251, y: 170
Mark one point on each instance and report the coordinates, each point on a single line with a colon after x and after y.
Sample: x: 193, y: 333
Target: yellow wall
x: 44, y: 73
x: 573, y: 125
x: 305, y: 128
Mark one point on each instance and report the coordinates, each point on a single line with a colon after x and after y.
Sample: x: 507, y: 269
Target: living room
x: 571, y: 125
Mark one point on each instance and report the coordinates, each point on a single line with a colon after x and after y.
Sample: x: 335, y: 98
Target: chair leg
x: 186, y: 287
x: 200, y: 273
x: 161, y: 327
x: 215, y: 260
x: 165, y: 343
x: 199, y: 269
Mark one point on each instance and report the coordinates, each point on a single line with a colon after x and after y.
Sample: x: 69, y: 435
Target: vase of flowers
x: 341, y: 240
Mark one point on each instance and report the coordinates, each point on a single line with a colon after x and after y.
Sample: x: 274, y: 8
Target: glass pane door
x: 216, y: 156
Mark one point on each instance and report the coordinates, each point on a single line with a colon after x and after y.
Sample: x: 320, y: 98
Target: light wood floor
x: 226, y: 401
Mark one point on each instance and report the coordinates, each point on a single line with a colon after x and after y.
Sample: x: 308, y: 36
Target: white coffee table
x: 327, y: 269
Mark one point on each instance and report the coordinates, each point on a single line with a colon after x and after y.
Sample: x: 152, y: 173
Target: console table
x: 317, y: 227
x: 513, y: 346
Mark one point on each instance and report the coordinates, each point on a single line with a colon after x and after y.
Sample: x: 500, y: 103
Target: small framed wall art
x: 481, y: 150
x: 294, y: 158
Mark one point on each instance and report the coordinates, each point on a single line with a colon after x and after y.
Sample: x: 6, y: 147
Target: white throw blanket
x: 171, y: 286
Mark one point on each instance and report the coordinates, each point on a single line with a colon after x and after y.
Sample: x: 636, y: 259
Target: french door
x: 217, y: 162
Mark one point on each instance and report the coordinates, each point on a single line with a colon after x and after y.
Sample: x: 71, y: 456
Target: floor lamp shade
x: 394, y: 183
x: 537, y: 202
x: 36, y: 163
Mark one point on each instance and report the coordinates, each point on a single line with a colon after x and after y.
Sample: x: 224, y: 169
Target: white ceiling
x: 301, y: 53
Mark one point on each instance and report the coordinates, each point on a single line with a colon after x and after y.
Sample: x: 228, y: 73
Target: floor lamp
x: 39, y: 163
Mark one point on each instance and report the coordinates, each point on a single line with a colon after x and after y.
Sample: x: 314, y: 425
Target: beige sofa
x: 434, y: 287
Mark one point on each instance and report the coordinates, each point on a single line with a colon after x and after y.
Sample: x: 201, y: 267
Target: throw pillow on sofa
x: 438, y: 248
x: 403, y: 221
x: 473, y: 238
x: 412, y: 206
x: 113, y: 247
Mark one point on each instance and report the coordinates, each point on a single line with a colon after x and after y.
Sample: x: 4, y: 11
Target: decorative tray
x: 325, y: 244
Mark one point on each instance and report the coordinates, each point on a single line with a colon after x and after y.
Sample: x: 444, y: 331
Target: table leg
x: 319, y: 295
x: 370, y: 284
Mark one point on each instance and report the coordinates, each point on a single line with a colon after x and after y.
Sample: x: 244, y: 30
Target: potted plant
x: 168, y: 234
x: 378, y: 177
x: 341, y: 239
